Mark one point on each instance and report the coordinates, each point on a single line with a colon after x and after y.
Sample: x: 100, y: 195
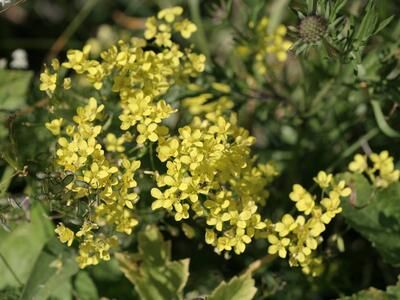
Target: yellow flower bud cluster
x: 210, y: 174
x: 382, y: 173
x: 96, y: 155
x: 267, y: 44
x: 297, y: 237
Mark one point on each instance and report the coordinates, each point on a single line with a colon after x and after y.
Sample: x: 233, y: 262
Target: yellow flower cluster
x: 210, y: 174
x: 382, y: 173
x: 298, y: 237
x: 103, y: 173
x: 108, y: 183
x: 266, y: 44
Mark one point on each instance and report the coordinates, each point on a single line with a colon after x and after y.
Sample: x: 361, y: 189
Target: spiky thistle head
x: 312, y: 29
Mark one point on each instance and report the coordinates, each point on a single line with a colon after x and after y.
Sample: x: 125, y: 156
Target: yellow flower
x: 147, y: 132
x: 163, y: 39
x: 198, y: 61
x: 65, y: 234
x: 169, y: 14
x: 54, y: 126
x: 114, y: 144
x: 48, y: 82
x: 55, y: 64
x: 151, y: 28
x: 383, y: 171
x: 286, y: 225
x: 221, y: 87
x: 342, y: 189
x: 359, y: 164
x: 306, y: 204
x: 387, y: 173
x: 77, y: 59
x: 298, y: 193
x: 210, y: 237
x: 186, y: 28
x: 162, y: 200
x: 277, y: 245
x: 168, y: 149
x: 332, y: 206
x: 304, y: 201
x: 67, y: 83
x: 323, y: 179
x: 182, y: 211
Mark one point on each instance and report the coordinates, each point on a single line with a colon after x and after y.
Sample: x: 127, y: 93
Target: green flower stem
x: 194, y: 6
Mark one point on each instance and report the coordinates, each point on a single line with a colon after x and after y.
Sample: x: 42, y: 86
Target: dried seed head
x: 312, y: 29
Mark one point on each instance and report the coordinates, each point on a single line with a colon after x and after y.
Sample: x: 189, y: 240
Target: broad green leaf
x: 238, y: 288
x: 22, y: 246
x: 85, y: 287
x: 55, y: 265
x: 375, y: 214
x: 63, y: 291
x: 14, y: 87
x: 151, y: 270
x: 391, y: 293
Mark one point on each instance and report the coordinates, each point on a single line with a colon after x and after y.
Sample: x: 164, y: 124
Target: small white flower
x: 19, y: 59
x: 4, y: 2
x: 3, y: 63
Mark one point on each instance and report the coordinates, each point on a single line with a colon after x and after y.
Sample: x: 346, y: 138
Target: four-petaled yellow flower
x: 65, y: 234
x: 169, y: 14
x: 54, y: 126
x: 186, y: 28
x: 323, y: 179
x: 48, y: 82
x: 278, y: 245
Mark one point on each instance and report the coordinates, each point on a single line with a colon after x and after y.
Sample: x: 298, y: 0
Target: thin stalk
x: 151, y: 153
x: 194, y: 6
x: 258, y: 264
x: 355, y: 146
x: 71, y: 29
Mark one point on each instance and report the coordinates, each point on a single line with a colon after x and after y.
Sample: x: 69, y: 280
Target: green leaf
x: 22, y: 246
x: 85, y: 287
x: 375, y: 214
x: 279, y: 8
x: 382, y: 25
x: 238, y: 288
x: 14, y: 87
x: 151, y: 270
x: 368, y: 24
x: 55, y: 265
x: 380, y: 119
x: 392, y: 293
x: 68, y: 179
